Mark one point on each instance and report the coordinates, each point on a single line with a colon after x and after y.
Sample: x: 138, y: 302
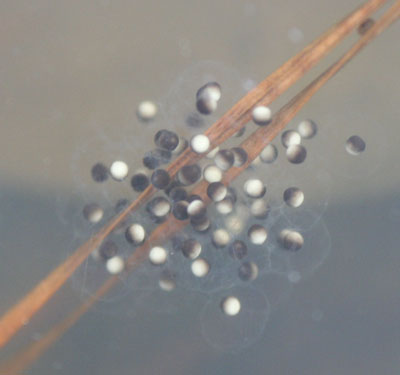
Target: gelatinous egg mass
x: 203, y: 230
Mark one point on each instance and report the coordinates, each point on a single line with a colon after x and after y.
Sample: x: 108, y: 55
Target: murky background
x: 71, y: 76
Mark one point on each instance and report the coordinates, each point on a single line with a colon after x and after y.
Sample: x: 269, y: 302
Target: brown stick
x: 232, y: 121
x: 252, y: 145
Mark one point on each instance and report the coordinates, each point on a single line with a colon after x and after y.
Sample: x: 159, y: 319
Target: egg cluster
x: 232, y: 237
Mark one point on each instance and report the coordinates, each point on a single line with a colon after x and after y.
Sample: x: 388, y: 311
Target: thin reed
x: 239, y: 115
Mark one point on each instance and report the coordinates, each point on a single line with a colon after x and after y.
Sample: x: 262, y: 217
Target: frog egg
x: 207, y: 98
x: 230, y: 306
x: 166, y: 140
x: 212, y: 173
x: 225, y: 206
x: 160, y: 179
x: 239, y: 156
x: 200, y: 224
x: 93, y: 213
x: 115, y: 265
x: 257, y: 234
x: 259, y: 208
x: 139, y: 182
x: 200, y: 267
x: 269, y: 154
x: 307, y: 129
x: 167, y: 282
x: 293, y: 197
x: 154, y: 158
x: 119, y: 170
x: 180, y: 210
x: 238, y: 249
x: 206, y: 106
x: 135, y: 234
x: 291, y: 239
x: 99, y: 172
x: 355, y: 145
x: 290, y: 138
x: 191, y: 248
x: 211, y: 90
x: 254, y: 188
x: 159, y: 207
x: 220, y: 238
x: 248, y: 271
x: 296, y: 154
x: 224, y: 159
x: 216, y: 191
x: 177, y: 194
x: 196, y: 208
x: 262, y: 115
x: 189, y: 174
x: 235, y: 224
x: 147, y: 110
x: 107, y: 250
x: 200, y: 143
x: 158, y: 255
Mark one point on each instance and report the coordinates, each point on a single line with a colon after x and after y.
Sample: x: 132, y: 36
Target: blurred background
x: 72, y: 74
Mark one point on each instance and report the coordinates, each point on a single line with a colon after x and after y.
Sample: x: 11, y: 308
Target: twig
x: 252, y: 145
x: 232, y: 121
